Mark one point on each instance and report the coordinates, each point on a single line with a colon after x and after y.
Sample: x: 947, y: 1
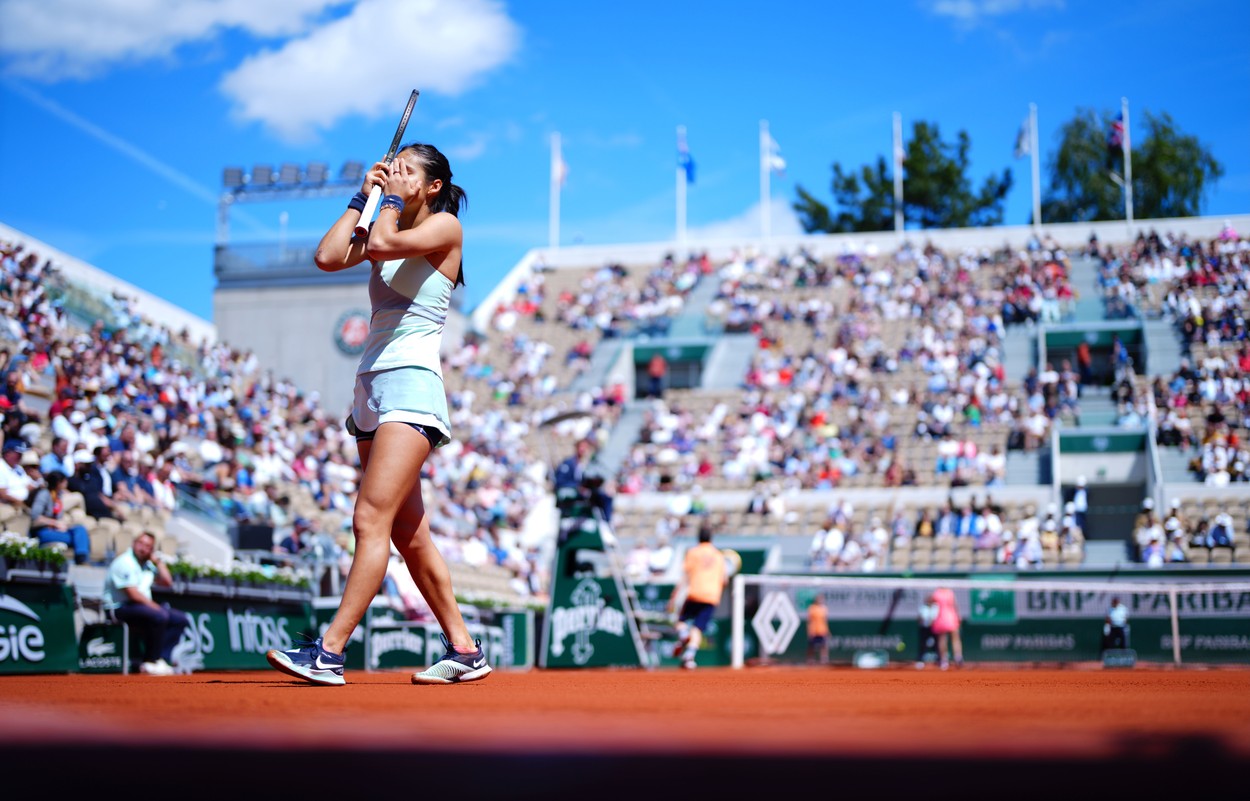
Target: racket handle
x: 371, y: 208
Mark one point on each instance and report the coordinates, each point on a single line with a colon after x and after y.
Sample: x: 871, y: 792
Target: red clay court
x: 632, y: 733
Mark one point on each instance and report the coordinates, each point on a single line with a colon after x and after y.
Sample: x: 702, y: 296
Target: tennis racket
x: 375, y: 194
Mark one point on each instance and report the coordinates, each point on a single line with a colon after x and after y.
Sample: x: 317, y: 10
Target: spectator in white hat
x: 16, y: 484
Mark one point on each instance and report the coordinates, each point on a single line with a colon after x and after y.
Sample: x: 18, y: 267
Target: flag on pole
x: 1115, y: 136
x: 684, y: 160
x: 900, y: 154
x: 1115, y: 141
x: 559, y: 169
x: 776, y: 163
x: 1024, y: 139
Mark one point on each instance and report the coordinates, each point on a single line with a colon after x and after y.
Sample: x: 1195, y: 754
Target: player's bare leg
x: 411, y: 536
x: 391, y: 463
x: 683, y: 631
x: 692, y: 642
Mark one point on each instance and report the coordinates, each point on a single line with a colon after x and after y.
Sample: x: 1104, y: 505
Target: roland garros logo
x: 351, y: 331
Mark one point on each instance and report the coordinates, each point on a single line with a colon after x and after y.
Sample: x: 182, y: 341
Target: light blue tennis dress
x: 400, y: 377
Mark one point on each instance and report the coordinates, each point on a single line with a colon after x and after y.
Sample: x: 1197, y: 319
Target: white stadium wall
x: 293, y: 332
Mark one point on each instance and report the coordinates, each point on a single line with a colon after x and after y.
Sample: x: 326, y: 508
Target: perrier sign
x: 589, y: 621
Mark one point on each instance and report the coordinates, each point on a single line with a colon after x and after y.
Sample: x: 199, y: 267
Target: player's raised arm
x: 340, y: 248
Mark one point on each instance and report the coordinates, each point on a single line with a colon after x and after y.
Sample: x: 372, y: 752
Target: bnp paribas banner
x: 1006, y: 625
x: 37, y: 628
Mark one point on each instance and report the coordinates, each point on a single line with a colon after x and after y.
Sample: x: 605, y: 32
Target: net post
x: 739, y: 620
x: 1176, y: 627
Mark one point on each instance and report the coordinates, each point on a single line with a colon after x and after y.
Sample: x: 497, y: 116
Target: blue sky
x: 117, y: 116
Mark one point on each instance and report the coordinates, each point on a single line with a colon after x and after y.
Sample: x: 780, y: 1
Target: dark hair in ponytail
x: 451, y: 197
x: 436, y: 166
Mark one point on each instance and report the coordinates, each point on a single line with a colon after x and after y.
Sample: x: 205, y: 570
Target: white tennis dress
x: 400, y: 376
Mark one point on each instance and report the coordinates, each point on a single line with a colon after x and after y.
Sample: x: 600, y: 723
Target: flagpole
x: 1128, y: 167
x: 1037, y: 169
x: 765, y: 168
x: 681, y: 190
x: 898, y: 172
x: 553, y: 221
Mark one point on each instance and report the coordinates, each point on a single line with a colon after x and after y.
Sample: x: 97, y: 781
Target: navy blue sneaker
x: 310, y: 662
x: 455, y: 667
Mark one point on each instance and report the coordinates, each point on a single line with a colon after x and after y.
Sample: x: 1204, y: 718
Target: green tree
x: 937, y: 192
x: 1172, y: 171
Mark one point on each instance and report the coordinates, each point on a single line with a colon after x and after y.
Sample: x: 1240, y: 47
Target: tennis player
x: 701, y: 585
x: 946, y: 627
x: 399, y: 414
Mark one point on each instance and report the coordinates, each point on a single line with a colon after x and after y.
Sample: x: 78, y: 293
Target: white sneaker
x: 158, y: 668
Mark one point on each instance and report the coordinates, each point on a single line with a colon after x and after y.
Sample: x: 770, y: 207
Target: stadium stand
x: 882, y: 418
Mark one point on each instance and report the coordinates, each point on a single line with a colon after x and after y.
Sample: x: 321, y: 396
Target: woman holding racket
x: 399, y: 414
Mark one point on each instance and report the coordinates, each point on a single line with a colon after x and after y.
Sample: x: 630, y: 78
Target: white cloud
x: 366, y: 62
x: 52, y: 40
x: 970, y: 12
x: 468, y: 148
x: 784, y: 223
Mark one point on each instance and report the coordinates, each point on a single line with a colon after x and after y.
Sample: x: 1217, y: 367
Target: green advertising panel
x: 1106, y: 441
x: 234, y: 633
x: 386, y: 640
x: 591, y: 618
x: 1096, y: 337
x: 507, y: 640
x: 989, y: 605
x: 102, y: 648
x: 587, y: 625
x: 37, y: 628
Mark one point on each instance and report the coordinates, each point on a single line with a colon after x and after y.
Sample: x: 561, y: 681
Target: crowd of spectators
x: 1201, y: 287
x: 1176, y: 536
x: 139, y: 429
x: 885, y: 368
x: 906, y: 348
x: 1027, y: 540
x: 612, y: 300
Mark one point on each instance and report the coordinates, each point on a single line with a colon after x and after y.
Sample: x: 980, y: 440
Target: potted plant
x: 18, y: 552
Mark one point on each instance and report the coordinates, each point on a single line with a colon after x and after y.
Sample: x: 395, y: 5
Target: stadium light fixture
x: 262, y: 175
x: 289, y: 182
x: 352, y: 171
x: 317, y: 173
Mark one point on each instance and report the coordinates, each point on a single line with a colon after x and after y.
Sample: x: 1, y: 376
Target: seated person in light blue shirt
x: 58, y: 460
x: 129, y: 585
